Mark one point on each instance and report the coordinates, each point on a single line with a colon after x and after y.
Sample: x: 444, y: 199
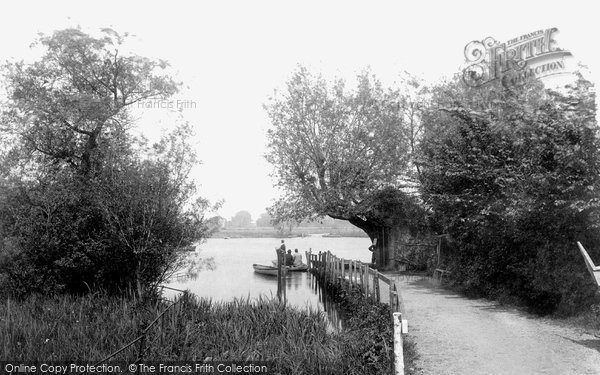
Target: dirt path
x: 456, y: 335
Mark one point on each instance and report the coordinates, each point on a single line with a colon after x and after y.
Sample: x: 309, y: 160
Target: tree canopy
x: 74, y: 99
x: 335, y: 149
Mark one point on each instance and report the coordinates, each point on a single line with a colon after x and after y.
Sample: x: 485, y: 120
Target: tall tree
x: 242, y: 219
x: 73, y: 100
x: 341, y: 152
x: 87, y: 204
x: 265, y: 220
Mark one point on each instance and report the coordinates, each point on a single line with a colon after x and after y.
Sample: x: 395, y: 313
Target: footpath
x: 456, y: 335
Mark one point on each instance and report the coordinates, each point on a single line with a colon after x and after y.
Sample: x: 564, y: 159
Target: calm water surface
x: 233, y: 276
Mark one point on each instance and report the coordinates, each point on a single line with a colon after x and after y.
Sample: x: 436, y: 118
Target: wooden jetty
x: 358, y: 274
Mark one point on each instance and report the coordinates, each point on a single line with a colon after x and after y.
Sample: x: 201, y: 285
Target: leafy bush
x: 513, y: 176
x: 124, y: 229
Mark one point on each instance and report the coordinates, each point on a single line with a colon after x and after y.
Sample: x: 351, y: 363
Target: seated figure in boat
x: 289, y: 259
x: 297, y: 258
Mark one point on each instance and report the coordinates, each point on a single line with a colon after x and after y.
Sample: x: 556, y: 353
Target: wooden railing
x: 369, y: 281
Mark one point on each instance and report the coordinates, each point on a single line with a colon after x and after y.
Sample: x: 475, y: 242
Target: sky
x: 232, y: 55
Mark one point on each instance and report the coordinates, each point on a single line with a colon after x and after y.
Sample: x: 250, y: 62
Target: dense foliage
x: 371, y: 326
x: 513, y: 176
x: 84, y: 204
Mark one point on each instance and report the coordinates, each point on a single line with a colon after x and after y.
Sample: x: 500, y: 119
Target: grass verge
x: 371, y: 327
x: 589, y: 320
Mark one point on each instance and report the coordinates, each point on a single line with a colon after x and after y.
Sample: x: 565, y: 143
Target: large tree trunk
x: 381, y: 235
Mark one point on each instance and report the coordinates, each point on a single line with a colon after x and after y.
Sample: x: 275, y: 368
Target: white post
x: 398, y: 349
x: 594, y: 270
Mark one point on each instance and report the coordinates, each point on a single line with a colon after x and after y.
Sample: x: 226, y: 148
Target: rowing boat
x: 267, y: 270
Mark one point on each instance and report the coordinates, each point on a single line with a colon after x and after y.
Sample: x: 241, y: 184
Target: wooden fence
x: 360, y: 275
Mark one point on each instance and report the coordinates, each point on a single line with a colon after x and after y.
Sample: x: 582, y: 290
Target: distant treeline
x: 242, y: 225
x: 296, y: 232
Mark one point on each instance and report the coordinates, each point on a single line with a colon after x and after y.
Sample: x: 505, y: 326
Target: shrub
x: 512, y: 175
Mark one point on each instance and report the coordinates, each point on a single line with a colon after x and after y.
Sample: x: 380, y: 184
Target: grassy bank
x: 89, y: 329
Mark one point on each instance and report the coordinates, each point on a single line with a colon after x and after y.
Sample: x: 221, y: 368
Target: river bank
x: 90, y: 328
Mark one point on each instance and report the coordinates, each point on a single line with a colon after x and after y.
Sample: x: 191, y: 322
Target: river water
x: 230, y: 275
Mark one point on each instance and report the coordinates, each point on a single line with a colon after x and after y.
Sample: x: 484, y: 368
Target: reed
x: 90, y: 328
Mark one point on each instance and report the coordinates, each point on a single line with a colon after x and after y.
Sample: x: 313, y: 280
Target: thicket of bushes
x: 124, y: 229
x: 513, y: 175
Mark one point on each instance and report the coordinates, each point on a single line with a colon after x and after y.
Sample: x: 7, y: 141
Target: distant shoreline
x: 297, y: 233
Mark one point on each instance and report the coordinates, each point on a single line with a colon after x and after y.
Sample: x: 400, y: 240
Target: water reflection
x: 226, y: 272
x: 189, y: 267
x: 326, y: 301
x: 297, y: 281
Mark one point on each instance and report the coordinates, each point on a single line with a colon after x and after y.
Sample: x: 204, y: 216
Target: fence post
x: 376, y: 286
x: 391, y: 292
x: 334, y: 268
x: 141, y: 347
x: 398, y: 349
x: 280, y: 277
x: 366, y: 275
x: 350, y: 271
x: 360, y: 276
x: 320, y: 262
x: 325, y: 261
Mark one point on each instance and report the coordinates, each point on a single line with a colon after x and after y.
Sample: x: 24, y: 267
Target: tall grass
x: 90, y: 328
x: 589, y: 320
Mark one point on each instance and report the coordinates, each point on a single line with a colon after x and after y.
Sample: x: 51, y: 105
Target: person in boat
x: 297, y: 258
x: 289, y: 258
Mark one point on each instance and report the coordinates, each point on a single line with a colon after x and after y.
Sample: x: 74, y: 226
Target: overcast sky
x: 232, y: 55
